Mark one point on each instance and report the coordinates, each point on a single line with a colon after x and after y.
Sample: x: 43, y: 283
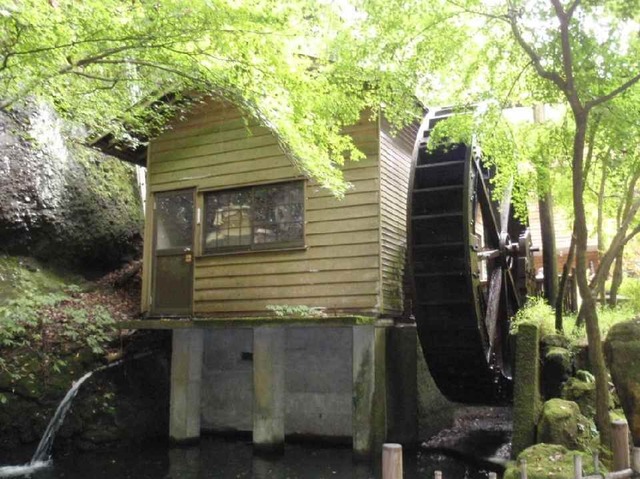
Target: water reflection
x: 216, y: 458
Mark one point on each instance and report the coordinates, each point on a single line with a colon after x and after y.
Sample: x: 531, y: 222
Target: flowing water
x: 41, y: 458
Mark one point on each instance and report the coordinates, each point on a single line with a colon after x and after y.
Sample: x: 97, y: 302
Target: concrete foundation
x: 268, y: 387
x: 303, y: 381
x: 227, y: 380
x: 186, y: 379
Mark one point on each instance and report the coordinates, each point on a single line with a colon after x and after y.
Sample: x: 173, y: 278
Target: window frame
x: 253, y: 247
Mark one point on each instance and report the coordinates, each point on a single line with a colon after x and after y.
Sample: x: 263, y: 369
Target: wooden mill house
x: 281, y: 297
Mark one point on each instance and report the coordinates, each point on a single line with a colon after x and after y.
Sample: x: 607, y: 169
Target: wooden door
x: 173, y: 239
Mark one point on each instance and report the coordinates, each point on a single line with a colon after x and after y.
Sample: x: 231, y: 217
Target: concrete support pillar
x: 527, y: 400
x: 402, y: 389
x: 369, y: 389
x: 268, y: 388
x: 186, y: 377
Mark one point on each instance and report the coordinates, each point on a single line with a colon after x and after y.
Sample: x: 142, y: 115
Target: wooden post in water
x: 577, y: 466
x: 392, y: 461
x: 635, y: 459
x: 620, y: 444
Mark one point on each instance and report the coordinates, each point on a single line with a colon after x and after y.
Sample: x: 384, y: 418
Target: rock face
x: 561, y: 423
x: 62, y: 201
x: 622, y: 352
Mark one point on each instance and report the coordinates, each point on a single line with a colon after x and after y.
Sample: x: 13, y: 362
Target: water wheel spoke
x: 487, y: 208
x: 492, y: 315
x: 513, y: 294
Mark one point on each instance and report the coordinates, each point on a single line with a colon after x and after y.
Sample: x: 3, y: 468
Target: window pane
x: 227, y: 219
x: 174, y: 216
x: 278, y: 213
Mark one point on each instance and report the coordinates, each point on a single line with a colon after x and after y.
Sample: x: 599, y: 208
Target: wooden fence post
x: 437, y: 475
x: 392, y: 461
x: 523, y: 469
x: 577, y: 466
x: 635, y: 459
x: 620, y: 444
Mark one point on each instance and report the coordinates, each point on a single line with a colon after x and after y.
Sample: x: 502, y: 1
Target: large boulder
x: 60, y: 200
x: 562, y: 423
x: 622, y: 352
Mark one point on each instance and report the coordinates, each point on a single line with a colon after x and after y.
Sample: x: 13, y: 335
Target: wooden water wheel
x: 471, y: 265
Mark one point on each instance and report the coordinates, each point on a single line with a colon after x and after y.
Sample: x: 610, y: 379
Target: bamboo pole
x: 620, y: 444
x: 392, y: 461
x: 623, y: 474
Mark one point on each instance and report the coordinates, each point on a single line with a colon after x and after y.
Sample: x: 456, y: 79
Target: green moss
x: 550, y: 461
x: 562, y: 423
x: 583, y: 393
x: 622, y: 351
x: 18, y: 273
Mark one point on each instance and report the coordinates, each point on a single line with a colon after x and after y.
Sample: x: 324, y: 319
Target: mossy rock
x: 583, y: 393
x: 580, y: 351
x: 622, y: 352
x: 549, y: 461
x: 555, y: 341
x: 562, y: 423
x: 557, y: 367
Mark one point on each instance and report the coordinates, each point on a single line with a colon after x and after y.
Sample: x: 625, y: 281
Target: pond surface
x: 224, y: 459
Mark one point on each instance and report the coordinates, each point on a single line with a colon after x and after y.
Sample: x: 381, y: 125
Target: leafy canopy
x: 305, y: 68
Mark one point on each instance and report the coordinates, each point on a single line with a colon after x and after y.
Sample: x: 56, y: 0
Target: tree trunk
x: 547, y: 228
x: 566, y: 269
x: 549, y: 262
x: 600, y: 234
x: 616, y: 281
x: 596, y: 355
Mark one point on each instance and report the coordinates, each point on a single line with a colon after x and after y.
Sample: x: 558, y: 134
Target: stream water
x: 215, y: 457
x: 218, y: 458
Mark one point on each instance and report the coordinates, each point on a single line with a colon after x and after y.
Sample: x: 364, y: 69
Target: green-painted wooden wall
x: 351, y: 259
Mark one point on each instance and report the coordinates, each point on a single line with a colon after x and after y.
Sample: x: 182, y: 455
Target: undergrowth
x: 538, y: 311
x: 48, y: 332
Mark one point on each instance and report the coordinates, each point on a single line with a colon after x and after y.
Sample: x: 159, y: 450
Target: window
x: 254, y: 218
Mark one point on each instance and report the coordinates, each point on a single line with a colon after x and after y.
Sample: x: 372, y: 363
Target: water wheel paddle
x: 471, y: 265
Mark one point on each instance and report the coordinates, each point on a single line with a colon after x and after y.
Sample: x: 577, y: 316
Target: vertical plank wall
x: 396, y: 153
x: 340, y: 269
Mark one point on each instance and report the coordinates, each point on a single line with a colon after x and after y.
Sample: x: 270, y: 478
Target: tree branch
x: 535, y: 58
x: 612, y: 94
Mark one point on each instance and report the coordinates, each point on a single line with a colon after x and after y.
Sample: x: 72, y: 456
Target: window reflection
x: 255, y: 217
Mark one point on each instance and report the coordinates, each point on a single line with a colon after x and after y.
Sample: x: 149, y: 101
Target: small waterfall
x: 41, y: 458
x: 44, y: 447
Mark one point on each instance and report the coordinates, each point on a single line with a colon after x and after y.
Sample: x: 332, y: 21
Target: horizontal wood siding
x: 396, y: 153
x: 340, y: 267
